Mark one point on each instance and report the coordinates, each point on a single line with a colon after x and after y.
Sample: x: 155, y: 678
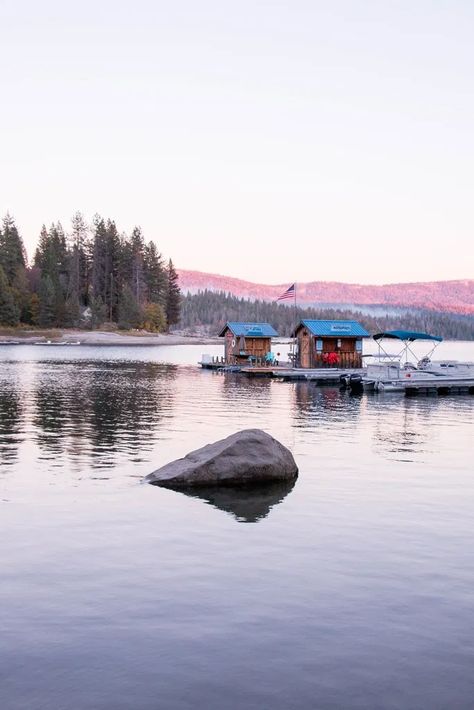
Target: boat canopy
x: 407, y: 335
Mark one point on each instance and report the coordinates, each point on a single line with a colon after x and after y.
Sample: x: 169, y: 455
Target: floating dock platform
x: 452, y: 386
x: 332, y: 376
x: 220, y: 367
x: 283, y: 372
x: 322, y: 376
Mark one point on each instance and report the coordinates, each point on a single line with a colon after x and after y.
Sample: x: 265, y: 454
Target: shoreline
x: 99, y: 337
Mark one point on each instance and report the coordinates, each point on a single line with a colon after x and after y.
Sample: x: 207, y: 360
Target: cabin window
x: 359, y: 346
x: 319, y: 345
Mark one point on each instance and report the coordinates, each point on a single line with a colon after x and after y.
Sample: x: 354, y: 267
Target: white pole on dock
x: 294, y: 331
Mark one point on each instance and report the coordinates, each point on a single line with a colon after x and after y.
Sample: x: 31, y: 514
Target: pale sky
x: 273, y: 141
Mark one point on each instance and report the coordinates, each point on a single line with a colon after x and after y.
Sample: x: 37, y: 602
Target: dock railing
x: 339, y: 359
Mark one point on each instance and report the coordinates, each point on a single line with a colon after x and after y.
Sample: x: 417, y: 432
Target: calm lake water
x: 352, y: 588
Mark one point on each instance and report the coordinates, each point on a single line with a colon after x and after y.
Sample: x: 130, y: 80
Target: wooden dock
x: 219, y: 367
x: 283, y: 372
x: 332, y: 376
x: 323, y: 376
x: 320, y: 376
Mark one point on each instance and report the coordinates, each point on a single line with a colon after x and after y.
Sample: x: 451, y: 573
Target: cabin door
x: 305, y: 355
x: 229, y: 339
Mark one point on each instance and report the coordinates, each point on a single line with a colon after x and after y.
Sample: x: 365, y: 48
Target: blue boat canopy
x: 407, y: 335
x: 249, y: 330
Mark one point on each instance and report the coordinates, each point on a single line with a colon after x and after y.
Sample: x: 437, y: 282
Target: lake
x: 352, y: 588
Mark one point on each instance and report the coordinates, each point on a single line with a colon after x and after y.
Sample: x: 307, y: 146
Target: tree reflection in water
x: 101, y: 409
x: 323, y: 404
x: 11, y: 423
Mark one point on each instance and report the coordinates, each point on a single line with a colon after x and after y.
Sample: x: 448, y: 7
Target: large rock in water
x: 248, y: 457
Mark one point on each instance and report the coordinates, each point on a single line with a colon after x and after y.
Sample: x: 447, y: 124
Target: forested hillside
x: 441, y: 296
x: 207, y: 311
x: 87, y: 276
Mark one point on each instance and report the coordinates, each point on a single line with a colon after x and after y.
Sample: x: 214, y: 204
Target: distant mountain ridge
x: 442, y: 296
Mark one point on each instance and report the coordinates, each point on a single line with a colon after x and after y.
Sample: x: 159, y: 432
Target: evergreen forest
x: 88, y: 277
x: 208, y: 311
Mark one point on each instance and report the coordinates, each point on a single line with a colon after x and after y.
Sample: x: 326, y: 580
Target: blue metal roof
x: 249, y: 330
x: 334, y: 328
x: 407, y: 335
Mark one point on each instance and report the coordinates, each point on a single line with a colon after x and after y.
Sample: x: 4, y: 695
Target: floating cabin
x: 329, y: 343
x: 245, y: 342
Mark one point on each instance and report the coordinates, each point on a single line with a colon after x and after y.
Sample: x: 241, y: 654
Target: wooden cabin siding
x: 304, y: 349
x: 228, y: 347
x: 258, y: 347
x: 312, y: 356
x: 239, y: 349
x: 330, y: 345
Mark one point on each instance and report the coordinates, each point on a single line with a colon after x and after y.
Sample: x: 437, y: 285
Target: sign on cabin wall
x: 340, y: 328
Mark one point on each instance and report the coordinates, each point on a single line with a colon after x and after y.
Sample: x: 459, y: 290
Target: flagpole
x: 287, y: 294
x: 294, y: 331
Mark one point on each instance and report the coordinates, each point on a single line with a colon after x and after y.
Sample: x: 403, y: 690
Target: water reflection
x: 100, y: 409
x: 242, y: 387
x: 404, y: 428
x: 355, y: 593
x: 11, y: 415
x: 50, y: 418
x: 323, y: 403
x: 246, y: 504
x: 396, y: 427
x: 85, y: 413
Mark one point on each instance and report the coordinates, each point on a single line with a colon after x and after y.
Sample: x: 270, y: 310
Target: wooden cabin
x: 329, y: 343
x: 247, y: 342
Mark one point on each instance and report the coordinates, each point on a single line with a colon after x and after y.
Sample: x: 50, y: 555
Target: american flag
x: 289, y: 293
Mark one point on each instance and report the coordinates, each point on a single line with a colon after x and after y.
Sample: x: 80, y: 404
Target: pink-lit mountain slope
x: 447, y: 296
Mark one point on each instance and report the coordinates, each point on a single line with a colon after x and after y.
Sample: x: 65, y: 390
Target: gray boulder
x: 246, y: 458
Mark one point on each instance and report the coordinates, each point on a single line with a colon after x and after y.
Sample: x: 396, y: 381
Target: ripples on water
x: 89, y: 414
x: 350, y: 589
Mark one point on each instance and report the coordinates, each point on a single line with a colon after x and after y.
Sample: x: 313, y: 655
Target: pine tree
x: 47, y: 302
x: 129, y: 312
x: 13, y: 261
x: 52, y: 259
x: 98, y: 312
x: 78, y: 260
x: 34, y: 309
x: 154, y: 318
x: 112, y: 282
x: 12, y: 250
x: 137, y: 248
x: 9, y: 311
x: 155, y: 275
x: 173, y: 299
x: 72, y: 312
x: 116, y: 273
x: 106, y: 262
x: 99, y: 259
